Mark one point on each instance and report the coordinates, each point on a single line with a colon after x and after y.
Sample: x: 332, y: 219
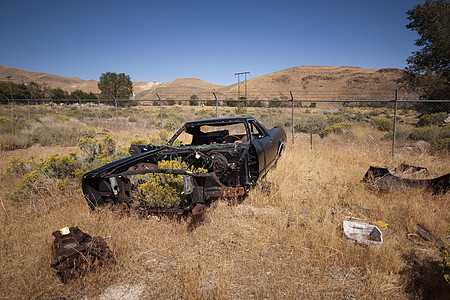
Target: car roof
x: 220, y: 121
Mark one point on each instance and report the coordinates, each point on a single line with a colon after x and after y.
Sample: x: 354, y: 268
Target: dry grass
x: 264, y: 247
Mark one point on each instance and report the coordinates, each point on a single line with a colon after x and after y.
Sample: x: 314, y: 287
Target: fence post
x: 395, y: 124
x: 160, y: 110
x: 81, y: 112
x: 51, y: 104
x: 29, y: 109
x: 293, y: 118
x: 217, y: 105
x: 117, y: 113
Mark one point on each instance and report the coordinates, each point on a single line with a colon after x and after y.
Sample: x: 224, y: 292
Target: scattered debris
x: 76, y: 252
x: 429, y: 237
x: 303, y: 213
x: 362, y: 232
x: 384, y: 180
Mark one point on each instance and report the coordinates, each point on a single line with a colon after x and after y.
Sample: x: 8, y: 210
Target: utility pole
x: 10, y: 88
x: 240, y: 83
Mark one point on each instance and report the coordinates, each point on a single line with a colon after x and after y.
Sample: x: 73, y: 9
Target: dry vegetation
x: 287, y: 243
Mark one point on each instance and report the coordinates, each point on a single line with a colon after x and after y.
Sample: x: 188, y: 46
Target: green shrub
x: 240, y: 110
x: 445, y: 265
x: 430, y: 133
x: 104, y: 114
x: 314, y: 123
x: 20, y: 166
x: 442, y: 144
x: 58, y: 130
x: 336, y: 128
x: 132, y: 119
x: 383, y: 124
x: 170, y: 125
x: 432, y: 119
x: 12, y: 126
x: 255, y: 103
x: 62, y: 172
x: 274, y: 103
x: 334, y: 119
x: 399, y: 134
x: 46, y: 174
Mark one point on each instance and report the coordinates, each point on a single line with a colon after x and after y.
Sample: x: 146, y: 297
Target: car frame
x: 232, y: 164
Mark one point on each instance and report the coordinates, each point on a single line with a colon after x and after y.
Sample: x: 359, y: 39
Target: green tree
x: 428, y: 69
x: 116, y: 85
x: 79, y: 94
x: 35, y: 90
x: 193, y: 101
x: 58, y: 94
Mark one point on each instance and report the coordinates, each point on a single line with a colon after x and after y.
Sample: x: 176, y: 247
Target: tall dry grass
x: 287, y: 243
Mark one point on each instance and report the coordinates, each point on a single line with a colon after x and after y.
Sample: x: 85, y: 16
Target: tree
x: 79, y: 94
x: 428, y: 68
x: 116, y: 85
x: 193, y: 100
x: 58, y: 94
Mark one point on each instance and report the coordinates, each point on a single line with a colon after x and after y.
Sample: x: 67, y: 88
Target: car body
x: 233, y: 153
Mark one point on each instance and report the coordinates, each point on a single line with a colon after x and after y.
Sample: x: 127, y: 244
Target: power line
x: 239, y: 83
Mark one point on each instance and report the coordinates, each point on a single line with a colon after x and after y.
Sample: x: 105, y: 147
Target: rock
x: 123, y: 292
x: 208, y: 285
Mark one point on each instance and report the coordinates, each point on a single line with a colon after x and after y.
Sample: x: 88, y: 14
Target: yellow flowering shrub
x: 165, y: 190
x: 62, y: 172
x: 336, y: 128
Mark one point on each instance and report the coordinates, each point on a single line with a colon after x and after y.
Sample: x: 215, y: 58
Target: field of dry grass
x: 287, y: 243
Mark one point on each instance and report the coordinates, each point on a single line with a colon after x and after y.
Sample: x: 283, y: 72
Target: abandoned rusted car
x: 203, y: 161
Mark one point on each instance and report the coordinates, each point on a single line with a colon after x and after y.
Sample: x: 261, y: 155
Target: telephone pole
x: 243, y: 82
x: 10, y: 89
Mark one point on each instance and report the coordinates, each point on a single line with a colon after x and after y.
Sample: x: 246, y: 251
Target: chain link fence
x: 388, y: 126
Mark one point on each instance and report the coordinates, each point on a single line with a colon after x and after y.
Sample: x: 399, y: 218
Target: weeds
x: 283, y: 244
x: 61, y: 172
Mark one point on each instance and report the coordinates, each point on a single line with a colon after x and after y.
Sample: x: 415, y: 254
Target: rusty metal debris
x: 76, y: 252
x: 383, y: 180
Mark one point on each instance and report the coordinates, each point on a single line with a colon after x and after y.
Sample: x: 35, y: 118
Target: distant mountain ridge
x: 305, y: 82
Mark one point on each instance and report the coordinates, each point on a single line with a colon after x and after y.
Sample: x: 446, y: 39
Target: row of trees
x: 110, y: 85
x: 33, y: 90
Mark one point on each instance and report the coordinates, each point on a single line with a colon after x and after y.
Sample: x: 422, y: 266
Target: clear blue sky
x: 211, y: 40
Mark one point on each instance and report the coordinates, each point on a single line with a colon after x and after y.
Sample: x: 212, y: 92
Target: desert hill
x: 305, y: 82
x: 322, y: 83
x: 54, y: 81
x: 181, y: 88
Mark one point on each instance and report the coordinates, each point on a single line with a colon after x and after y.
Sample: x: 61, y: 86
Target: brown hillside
x: 181, y: 88
x: 322, y: 83
x: 305, y: 82
x: 54, y: 81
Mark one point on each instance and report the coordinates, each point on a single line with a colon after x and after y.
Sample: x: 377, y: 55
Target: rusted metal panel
x: 383, y: 180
